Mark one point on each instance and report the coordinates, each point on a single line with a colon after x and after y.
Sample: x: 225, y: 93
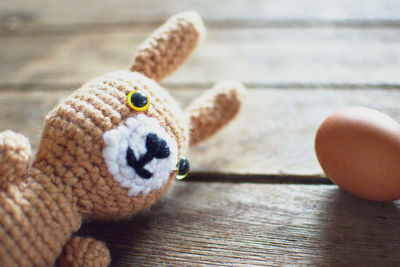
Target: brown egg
x: 359, y: 150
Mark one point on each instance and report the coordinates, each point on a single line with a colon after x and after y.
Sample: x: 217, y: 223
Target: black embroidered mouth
x: 156, y: 148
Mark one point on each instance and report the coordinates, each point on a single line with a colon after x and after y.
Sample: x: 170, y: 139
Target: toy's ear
x: 215, y: 108
x: 169, y: 46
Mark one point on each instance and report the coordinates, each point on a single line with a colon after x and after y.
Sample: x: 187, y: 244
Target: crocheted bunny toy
x: 108, y: 150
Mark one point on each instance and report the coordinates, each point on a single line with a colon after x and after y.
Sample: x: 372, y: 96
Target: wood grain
x: 331, y: 57
x: 273, y: 134
x: 303, y: 60
x: 55, y: 16
x: 256, y: 224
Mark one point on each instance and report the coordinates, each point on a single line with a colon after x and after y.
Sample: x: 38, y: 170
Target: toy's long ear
x: 215, y: 108
x: 169, y: 46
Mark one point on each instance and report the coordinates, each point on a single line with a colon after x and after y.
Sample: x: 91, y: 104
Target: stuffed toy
x: 107, y: 151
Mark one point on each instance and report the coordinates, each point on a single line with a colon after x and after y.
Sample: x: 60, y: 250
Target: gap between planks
x: 58, y: 16
x: 27, y: 87
x: 234, y: 178
x: 10, y: 30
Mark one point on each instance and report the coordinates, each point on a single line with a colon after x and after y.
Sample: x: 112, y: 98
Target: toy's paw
x: 215, y: 108
x: 15, y: 155
x: 80, y: 251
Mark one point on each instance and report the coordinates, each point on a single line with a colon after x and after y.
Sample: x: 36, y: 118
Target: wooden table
x: 257, y: 195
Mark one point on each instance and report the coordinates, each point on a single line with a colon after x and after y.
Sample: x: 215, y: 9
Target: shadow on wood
x: 360, y: 232
x: 255, y: 224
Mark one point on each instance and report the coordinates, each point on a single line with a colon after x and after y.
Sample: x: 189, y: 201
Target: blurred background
x: 262, y: 197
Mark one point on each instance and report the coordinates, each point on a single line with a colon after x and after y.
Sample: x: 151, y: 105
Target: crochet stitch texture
x: 81, y: 169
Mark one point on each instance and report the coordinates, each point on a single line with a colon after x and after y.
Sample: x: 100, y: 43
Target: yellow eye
x: 183, y: 168
x: 138, y: 101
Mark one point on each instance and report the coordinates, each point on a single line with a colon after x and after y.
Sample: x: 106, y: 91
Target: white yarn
x: 133, y: 134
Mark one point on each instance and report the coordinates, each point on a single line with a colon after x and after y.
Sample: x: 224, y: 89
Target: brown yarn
x: 36, y: 220
x: 69, y: 181
x: 169, y: 46
x: 86, y: 252
x: 216, y: 107
x: 72, y: 141
x: 15, y: 156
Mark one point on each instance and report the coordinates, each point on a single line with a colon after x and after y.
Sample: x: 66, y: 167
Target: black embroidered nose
x: 156, y: 148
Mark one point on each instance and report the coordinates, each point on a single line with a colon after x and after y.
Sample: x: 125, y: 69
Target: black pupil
x: 183, y: 167
x: 139, y: 100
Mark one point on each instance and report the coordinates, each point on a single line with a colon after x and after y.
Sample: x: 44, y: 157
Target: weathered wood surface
x: 303, y: 60
x: 273, y: 135
x: 313, y: 57
x: 256, y: 224
x: 41, y: 15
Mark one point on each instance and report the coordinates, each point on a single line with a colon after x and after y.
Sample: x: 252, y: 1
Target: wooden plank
x: 273, y: 135
x: 16, y: 54
x: 25, y: 112
x: 255, y: 224
x: 21, y: 15
x: 285, y: 58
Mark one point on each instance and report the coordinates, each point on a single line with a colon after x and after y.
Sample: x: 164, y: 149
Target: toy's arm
x: 15, y: 156
x: 215, y: 108
x: 80, y: 251
x: 169, y: 46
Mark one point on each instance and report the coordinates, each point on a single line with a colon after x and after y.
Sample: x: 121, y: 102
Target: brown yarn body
x: 42, y: 206
x: 72, y: 142
x: 36, y: 220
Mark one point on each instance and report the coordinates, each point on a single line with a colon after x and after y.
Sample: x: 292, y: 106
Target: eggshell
x: 359, y: 150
